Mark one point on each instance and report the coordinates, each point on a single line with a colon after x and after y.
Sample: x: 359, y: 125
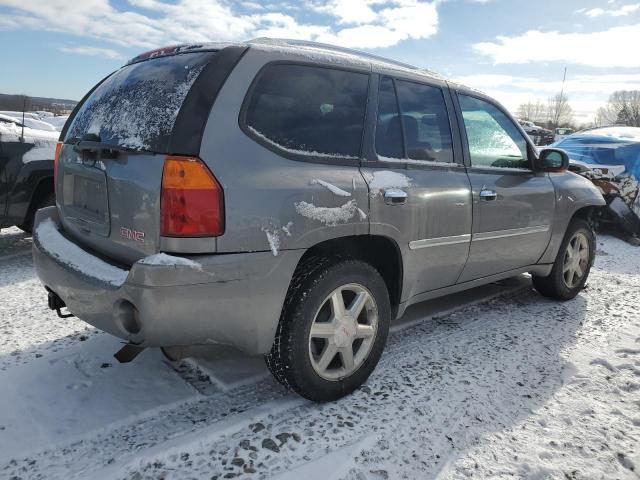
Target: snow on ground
x: 493, y: 383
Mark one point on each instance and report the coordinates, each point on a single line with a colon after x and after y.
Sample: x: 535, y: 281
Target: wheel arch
x: 43, y: 188
x: 587, y: 213
x: 379, y: 251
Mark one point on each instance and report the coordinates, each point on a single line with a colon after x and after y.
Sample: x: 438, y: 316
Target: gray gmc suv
x: 292, y: 199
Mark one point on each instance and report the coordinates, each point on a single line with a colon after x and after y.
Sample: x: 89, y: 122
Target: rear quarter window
x: 137, y: 106
x: 308, y: 111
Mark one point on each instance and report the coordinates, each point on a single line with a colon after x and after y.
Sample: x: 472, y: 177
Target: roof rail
x: 335, y: 48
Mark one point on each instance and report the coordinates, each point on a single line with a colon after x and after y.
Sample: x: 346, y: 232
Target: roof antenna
x: 564, y: 77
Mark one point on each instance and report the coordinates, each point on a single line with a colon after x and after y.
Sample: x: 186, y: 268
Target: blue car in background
x: 610, y: 158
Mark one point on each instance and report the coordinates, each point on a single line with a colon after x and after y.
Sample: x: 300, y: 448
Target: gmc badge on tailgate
x: 133, y: 235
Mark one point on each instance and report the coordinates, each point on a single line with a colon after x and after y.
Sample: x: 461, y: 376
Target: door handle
x: 394, y: 196
x: 488, y: 195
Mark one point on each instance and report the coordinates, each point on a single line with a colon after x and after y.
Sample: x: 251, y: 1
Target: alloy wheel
x: 576, y: 260
x: 343, y: 332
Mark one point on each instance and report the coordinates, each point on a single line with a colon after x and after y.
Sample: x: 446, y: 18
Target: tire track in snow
x: 441, y: 385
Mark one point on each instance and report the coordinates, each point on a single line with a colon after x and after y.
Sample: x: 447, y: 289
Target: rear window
x: 425, y: 122
x: 310, y: 111
x: 137, y: 106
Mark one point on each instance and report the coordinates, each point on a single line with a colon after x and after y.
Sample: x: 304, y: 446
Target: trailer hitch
x: 57, y: 304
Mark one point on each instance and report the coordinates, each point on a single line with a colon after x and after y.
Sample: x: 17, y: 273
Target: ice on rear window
x: 138, y: 105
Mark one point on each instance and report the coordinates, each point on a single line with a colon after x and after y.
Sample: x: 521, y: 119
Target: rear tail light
x: 56, y: 157
x: 192, y: 200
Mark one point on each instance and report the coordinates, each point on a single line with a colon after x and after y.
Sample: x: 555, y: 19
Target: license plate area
x: 85, y: 198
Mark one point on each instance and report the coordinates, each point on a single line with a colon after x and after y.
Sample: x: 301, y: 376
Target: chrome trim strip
x: 439, y: 241
x: 509, y: 233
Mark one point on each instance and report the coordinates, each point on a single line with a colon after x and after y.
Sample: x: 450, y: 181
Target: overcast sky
x: 515, y: 50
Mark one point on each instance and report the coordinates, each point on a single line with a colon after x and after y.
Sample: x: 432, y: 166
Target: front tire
x: 332, y: 330
x: 572, y: 265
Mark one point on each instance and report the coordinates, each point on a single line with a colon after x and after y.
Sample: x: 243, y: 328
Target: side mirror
x: 553, y: 160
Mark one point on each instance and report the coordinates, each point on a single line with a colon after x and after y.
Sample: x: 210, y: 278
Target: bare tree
x: 623, y: 108
x: 559, y: 111
x: 533, y: 111
x: 605, y: 116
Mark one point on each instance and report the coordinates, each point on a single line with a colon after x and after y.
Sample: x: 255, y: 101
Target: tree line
x: 556, y: 112
x: 622, y: 108
x: 19, y: 102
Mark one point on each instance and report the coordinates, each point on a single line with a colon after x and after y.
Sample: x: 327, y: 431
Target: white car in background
x: 561, y: 133
x: 12, y: 128
x: 539, y: 135
x: 44, y: 121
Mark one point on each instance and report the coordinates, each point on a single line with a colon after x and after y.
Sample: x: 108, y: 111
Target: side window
x: 309, y: 110
x: 494, y: 141
x: 388, y: 129
x: 425, y: 122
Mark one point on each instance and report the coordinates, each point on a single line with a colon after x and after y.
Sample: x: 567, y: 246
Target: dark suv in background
x: 292, y: 199
x: 26, y: 173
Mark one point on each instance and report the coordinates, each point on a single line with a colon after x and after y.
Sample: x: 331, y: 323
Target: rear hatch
x: 110, y: 166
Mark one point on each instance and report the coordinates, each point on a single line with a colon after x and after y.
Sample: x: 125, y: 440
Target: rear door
x: 419, y: 190
x: 512, y: 205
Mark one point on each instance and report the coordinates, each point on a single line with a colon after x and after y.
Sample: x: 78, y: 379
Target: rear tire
x: 47, y: 200
x: 572, y: 265
x: 332, y: 330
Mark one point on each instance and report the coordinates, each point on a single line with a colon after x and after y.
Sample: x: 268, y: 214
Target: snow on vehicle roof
x: 11, y: 130
x: 10, y: 119
x: 30, y: 123
x: 622, y: 133
x: 313, y: 51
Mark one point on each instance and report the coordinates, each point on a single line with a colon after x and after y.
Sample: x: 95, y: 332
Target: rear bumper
x: 233, y: 299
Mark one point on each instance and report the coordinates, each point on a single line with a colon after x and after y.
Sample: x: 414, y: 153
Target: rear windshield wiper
x: 106, y: 149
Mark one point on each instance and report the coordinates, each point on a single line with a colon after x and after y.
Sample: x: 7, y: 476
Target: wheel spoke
x: 570, y: 251
x: 358, y: 304
x: 567, y: 267
x: 346, y: 354
x: 327, y: 355
x: 576, y: 247
x: 337, y: 304
x: 365, y: 331
x: 578, y: 271
x: 322, y: 330
x: 584, y: 255
x: 572, y: 283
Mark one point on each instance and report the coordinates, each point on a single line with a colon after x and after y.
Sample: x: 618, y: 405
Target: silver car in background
x: 292, y: 199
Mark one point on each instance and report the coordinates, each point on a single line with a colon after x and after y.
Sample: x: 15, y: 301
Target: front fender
x: 573, y: 193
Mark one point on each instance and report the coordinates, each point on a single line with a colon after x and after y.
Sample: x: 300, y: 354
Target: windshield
x: 137, y: 106
x: 603, y: 151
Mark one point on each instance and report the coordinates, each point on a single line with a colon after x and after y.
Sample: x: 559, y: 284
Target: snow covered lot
x: 494, y: 383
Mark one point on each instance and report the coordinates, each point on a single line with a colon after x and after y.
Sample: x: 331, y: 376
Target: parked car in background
x: 561, y: 133
x: 292, y: 199
x: 26, y: 171
x: 610, y: 158
x: 539, y: 135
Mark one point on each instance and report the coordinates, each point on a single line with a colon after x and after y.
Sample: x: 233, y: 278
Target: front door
x: 419, y: 191
x: 513, y: 206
